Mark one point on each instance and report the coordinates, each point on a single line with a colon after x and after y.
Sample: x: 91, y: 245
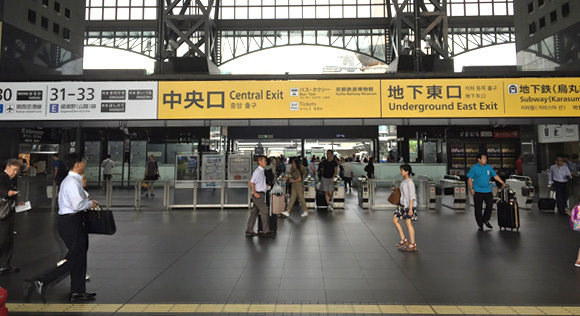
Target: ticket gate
x: 431, y: 192
x: 454, y: 192
x: 338, y: 194
x: 310, y: 192
x: 363, y: 193
x: 522, y: 186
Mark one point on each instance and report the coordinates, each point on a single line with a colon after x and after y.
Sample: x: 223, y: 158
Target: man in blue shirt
x: 480, y: 188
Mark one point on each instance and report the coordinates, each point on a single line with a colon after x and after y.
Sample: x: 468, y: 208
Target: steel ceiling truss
x: 140, y: 42
x: 467, y: 39
x: 369, y: 42
x: 187, y: 23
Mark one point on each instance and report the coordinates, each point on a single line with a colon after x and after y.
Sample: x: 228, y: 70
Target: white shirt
x: 71, y: 197
x: 347, y: 169
x: 408, y: 193
x: 559, y: 174
x: 259, y: 179
x: 108, y: 166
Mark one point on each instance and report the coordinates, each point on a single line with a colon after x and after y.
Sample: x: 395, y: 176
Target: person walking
x: 348, y: 175
x: 406, y: 210
x: 9, y: 192
x: 258, y: 187
x: 479, y: 186
x: 108, y: 164
x: 558, y: 179
x: 59, y: 170
x: 297, y: 174
x: 151, y: 174
x: 329, y: 169
x: 370, y: 168
x: 72, y: 201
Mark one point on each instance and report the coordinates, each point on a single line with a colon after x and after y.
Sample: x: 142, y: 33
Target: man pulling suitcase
x: 480, y: 188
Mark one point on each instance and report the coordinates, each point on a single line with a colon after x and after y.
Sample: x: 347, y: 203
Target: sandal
x: 410, y: 247
x: 577, y: 264
x: 402, y: 243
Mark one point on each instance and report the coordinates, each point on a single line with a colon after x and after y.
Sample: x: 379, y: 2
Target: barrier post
x: 54, y: 196
x: 137, y: 195
x: 166, y: 192
x: 109, y: 193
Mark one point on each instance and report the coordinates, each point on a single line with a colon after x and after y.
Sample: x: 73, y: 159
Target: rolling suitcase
x: 321, y: 199
x: 278, y: 203
x: 547, y: 205
x: 508, y: 215
x: 273, y: 218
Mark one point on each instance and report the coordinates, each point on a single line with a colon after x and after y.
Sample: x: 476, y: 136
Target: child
x: 406, y: 210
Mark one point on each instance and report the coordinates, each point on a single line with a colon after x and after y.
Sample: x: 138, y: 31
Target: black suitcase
x: 273, y: 223
x: 508, y: 215
x: 547, y: 205
x: 321, y: 199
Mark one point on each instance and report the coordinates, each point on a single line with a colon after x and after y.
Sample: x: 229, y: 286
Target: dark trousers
x: 347, y: 182
x: 561, y: 196
x: 478, y: 200
x: 7, y: 239
x: 76, y: 239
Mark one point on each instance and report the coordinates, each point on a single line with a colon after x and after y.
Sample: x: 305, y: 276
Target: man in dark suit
x: 8, y: 191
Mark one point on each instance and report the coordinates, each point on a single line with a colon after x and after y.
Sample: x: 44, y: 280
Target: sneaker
x: 304, y: 214
x: 330, y: 209
x: 152, y: 195
x: 577, y: 264
x: 286, y: 213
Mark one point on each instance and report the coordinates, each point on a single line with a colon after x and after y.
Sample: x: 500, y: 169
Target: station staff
x: 480, y: 188
x: 259, y: 188
x: 559, y: 175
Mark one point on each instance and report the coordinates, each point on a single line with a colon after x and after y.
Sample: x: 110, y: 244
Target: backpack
x: 269, y: 177
x: 575, y: 218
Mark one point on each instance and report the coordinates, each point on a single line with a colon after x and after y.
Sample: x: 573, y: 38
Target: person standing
x: 8, y: 191
x: 406, y: 210
x: 329, y: 169
x: 297, y: 174
x: 73, y: 201
x: 370, y: 169
x: 519, y: 166
x: 558, y: 178
x: 108, y: 164
x: 258, y: 187
x: 151, y: 174
x: 348, y: 175
x: 479, y: 186
x: 59, y: 170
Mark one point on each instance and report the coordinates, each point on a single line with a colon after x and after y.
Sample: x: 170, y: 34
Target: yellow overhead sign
x: 269, y: 99
x: 542, y: 97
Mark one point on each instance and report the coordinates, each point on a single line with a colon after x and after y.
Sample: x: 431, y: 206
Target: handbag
x: 5, y: 208
x: 99, y: 221
x: 395, y: 197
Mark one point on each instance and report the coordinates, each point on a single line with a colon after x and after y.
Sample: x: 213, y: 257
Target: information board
x: 213, y: 167
x: 22, y: 101
x: 186, y: 167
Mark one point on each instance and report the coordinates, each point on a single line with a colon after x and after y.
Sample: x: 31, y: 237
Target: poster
x: 213, y: 168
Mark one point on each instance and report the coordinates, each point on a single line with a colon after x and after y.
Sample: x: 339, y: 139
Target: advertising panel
x: 269, y: 99
x: 102, y: 100
x: 557, y: 133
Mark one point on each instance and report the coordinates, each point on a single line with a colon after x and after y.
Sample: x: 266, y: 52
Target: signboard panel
x: 102, y: 100
x: 22, y: 101
x: 269, y: 99
x: 542, y: 97
x: 435, y: 98
x: 557, y: 133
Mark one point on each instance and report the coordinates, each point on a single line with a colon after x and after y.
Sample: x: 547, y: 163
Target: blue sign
x: 54, y: 108
x: 1, y: 108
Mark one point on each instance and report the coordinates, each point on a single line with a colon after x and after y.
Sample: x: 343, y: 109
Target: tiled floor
x: 344, y: 257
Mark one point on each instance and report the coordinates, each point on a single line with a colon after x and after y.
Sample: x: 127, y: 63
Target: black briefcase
x: 99, y: 221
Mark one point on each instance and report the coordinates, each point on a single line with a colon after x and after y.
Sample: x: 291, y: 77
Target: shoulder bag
x: 5, y: 208
x: 99, y: 221
x: 395, y: 197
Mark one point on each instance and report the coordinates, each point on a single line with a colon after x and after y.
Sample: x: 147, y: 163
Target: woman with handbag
x: 151, y: 174
x: 8, y: 193
x: 406, y: 210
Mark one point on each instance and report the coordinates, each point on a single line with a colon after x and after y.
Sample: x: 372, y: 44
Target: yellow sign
x: 432, y: 98
x: 269, y: 99
x: 542, y: 97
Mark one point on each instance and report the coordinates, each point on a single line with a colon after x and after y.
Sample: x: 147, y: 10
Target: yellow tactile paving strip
x: 293, y: 308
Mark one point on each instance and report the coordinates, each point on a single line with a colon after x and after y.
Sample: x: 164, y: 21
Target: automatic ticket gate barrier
x: 454, y: 192
x: 431, y: 191
x: 310, y: 192
x: 363, y: 193
x: 522, y: 186
x: 380, y: 189
x: 338, y: 194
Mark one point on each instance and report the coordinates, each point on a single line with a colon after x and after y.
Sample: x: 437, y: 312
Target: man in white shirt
x: 72, y: 201
x: 259, y: 189
x: 108, y: 164
x: 559, y: 175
